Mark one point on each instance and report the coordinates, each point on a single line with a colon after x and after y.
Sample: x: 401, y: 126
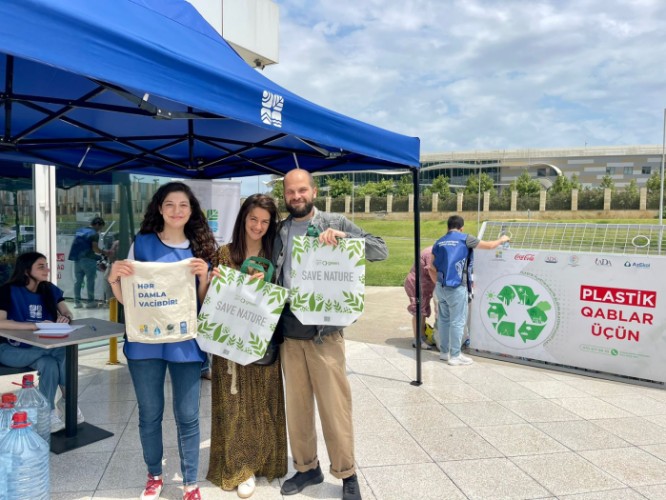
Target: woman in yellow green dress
x: 248, y: 431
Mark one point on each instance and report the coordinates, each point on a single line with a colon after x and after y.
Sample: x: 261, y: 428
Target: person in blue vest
x: 26, y: 299
x: 451, y: 273
x: 173, y: 229
x: 85, y: 253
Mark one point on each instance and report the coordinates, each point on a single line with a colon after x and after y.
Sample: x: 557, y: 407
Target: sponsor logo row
x: 572, y: 260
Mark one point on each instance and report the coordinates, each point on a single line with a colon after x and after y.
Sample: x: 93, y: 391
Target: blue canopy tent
x: 149, y: 86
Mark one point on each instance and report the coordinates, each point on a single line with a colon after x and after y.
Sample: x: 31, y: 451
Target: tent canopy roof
x: 149, y: 86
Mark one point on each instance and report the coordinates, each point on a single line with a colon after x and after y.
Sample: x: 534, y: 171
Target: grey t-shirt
x: 472, y: 241
x: 297, y: 228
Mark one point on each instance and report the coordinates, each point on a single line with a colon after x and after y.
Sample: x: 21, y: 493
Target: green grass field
x: 399, y: 236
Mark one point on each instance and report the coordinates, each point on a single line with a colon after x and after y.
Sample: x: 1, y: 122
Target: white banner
x: 220, y: 201
x: 596, y: 311
x: 327, y: 282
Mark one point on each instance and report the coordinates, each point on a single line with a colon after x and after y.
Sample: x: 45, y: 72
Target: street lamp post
x: 478, y: 199
x: 661, y: 186
x: 661, y: 175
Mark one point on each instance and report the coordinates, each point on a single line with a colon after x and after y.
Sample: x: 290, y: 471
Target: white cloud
x: 473, y: 74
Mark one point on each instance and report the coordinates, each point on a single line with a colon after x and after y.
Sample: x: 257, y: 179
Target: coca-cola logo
x: 524, y: 256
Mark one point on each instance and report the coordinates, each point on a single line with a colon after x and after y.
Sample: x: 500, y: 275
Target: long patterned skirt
x: 248, y: 431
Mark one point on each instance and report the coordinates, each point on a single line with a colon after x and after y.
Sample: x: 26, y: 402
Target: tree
x: 607, y: 182
x: 404, y: 186
x: 440, y: 185
x: 575, y: 183
x: 562, y: 185
x: 653, y: 184
x: 525, y: 185
x: 339, y: 187
x: 380, y: 189
x: 472, y: 186
x: 278, y: 190
x: 632, y: 189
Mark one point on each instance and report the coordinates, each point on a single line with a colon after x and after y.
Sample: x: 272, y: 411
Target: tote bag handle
x: 260, y: 264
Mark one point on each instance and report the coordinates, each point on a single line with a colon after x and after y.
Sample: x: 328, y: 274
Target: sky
x: 482, y: 75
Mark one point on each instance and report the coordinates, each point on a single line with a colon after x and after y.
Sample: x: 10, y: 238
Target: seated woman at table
x: 248, y: 424
x: 28, y: 298
x: 174, y: 228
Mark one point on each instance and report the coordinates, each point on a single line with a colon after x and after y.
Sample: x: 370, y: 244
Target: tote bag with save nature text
x: 239, y: 314
x: 327, y: 281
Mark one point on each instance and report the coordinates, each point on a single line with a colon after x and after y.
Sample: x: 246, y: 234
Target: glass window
x: 121, y: 202
x: 646, y: 170
x: 17, y: 217
x: 628, y: 170
x: 610, y: 170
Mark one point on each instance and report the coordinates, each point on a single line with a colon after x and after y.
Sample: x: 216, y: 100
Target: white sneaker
x: 424, y: 345
x: 56, y: 422
x: 460, y: 360
x: 61, y: 406
x: 444, y: 356
x: 246, y: 489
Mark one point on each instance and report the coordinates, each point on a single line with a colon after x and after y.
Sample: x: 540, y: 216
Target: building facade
x: 622, y: 163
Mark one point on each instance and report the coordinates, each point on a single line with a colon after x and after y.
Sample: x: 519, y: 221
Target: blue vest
x: 28, y: 306
x: 82, y: 246
x: 149, y: 248
x: 451, y: 255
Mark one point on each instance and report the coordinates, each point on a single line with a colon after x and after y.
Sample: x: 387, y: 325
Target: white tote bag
x: 239, y: 316
x: 160, y: 301
x: 327, y: 282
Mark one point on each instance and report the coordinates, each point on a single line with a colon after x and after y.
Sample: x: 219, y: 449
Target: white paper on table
x: 59, y: 329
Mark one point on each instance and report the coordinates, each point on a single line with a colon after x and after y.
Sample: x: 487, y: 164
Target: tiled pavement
x: 492, y: 430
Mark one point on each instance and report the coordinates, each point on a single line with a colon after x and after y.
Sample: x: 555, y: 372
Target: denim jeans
x: 148, y: 376
x: 452, y: 305
x: 49, y: 363
x: 85, y: 268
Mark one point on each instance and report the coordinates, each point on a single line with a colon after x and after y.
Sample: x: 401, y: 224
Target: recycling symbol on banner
x: 517, y: 312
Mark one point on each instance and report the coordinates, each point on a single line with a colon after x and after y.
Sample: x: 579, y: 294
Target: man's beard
x: 301, y: 212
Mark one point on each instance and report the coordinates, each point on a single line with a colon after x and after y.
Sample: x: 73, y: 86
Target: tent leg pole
x: 417, y: 264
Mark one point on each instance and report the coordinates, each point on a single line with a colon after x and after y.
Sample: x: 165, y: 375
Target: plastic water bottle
x: 506, y: 244
x: 33, y: 402
x: 25, y: 457
x: 5, y: 467
x: 6, y: 411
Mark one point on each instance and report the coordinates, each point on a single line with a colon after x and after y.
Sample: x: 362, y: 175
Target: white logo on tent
x: 271, y: 109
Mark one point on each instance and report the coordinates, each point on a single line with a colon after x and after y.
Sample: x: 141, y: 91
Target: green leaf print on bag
x: 355, y: 302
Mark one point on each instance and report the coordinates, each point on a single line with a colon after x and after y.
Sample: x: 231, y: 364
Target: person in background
x: 173, y: 229
x: 248, y: 429
x: 26, y: 299
x: 85, y: 252
x: 427, y: 289
x: 313, y: 357
x: 450, y: 270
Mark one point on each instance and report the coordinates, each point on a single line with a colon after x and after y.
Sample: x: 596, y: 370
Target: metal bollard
x: 113, y: 341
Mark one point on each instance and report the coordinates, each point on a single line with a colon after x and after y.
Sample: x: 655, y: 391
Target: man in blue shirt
x: 84, y: 252
x: 451, y: 271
